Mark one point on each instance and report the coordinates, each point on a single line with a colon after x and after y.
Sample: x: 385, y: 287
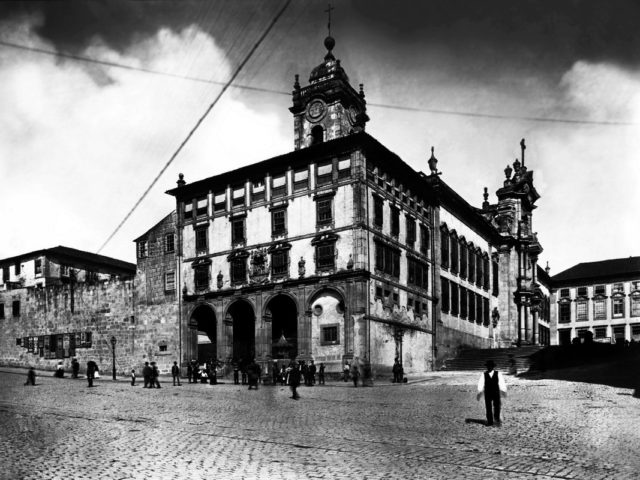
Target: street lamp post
x: 113, y: 350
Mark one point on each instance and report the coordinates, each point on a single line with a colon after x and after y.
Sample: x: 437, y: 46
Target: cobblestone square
x: 430, y: 429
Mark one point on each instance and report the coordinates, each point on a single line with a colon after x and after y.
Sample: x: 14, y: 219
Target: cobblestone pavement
x: 431, y: 429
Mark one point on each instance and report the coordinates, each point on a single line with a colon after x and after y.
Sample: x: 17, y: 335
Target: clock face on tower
x: 352, y: 114
x: 316, y: 110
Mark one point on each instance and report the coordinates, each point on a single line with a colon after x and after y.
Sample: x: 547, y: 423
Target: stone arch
x: 204, y: 327
x: 240, y: 314
x: 317, y: 135
x: 281, y: 310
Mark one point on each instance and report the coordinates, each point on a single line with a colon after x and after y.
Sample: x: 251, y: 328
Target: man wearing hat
x: 493, y: 386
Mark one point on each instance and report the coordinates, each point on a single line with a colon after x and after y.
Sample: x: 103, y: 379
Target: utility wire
x: 200, y: 120
x: 435, y: 111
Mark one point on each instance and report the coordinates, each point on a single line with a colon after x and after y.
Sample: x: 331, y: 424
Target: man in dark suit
x: 493, y: 386
x: 92, y: 367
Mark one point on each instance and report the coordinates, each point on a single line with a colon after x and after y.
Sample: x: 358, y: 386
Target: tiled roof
x: 604, y: 269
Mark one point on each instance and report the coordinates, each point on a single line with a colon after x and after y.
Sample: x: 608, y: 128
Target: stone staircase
x: 475, y: 358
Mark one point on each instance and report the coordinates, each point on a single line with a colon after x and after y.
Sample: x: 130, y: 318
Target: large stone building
x: 599, y: 300
x: 340, y: 250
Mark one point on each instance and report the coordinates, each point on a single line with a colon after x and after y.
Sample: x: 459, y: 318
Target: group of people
x: 205, y: 374
x: 307, y: 372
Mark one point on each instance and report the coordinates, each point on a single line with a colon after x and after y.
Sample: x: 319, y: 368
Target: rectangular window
x: 38, y: 266
x: 201, y: 240
x: 564, y: 313
x: 325, y: 174
x: 220, y: 201
x: 325, y: 256
x: 278, y: 222
x: 564, y: 293
x: 5, y: 274
x: 471, y: 264
x: 444, y: 249
x: 201, y: 277
x: 395, y: 221
x: 479, y: 273
x: 496, y: 286
x: 454, y: 299
x: 417, y: 273
x: 411, y: 231
x: 257, y: 191
x: 324, y: 211
x: 485, y: 312
x: 635, y: 329
x: 599, y: 309
x: 635, y: 305
x: 202, y: 205
x: 471, y: 303
x: 599, y: 290
x: 344, y: 168
x: 300, y: 180
x: 617, y: 307
x: 581, y: 311
x: 478, y: 308
x: 15, y: 308
x: 329, y: 335
x: 237, y: 231
x: 237, y: 197
x: 377, y: 211
x: 170, y: 281
x: 1, y: 311
x: 188, y: 210
x: 279, y: 186
x: 600, y: 332
x: 142, y: 249
x: 239, y: 270
x: 582, y: 291
x: 424, y: 240
x: 485, y: 273
x: 463, y: 302
x: 388, y: 259
x: 169, y: 243
x: 635, y: 286
x: 280, y: 263
x: 445, y: 294
x: 16, y: 268
x: 617, y: 288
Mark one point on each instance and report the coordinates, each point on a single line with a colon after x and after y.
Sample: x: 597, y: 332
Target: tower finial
x: 328, y: 11
x: 523, y: 147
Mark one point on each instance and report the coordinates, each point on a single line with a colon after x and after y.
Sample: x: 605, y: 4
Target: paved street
x: 61, y: 429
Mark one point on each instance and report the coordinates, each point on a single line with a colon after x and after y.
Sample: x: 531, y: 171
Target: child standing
x: 133, y: 377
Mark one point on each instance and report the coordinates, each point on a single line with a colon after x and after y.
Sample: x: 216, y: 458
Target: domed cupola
x: 329, y: 107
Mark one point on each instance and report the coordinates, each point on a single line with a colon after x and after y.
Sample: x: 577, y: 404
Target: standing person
x: 155, y: 373
x: 75, y: 367
x: 243, y: 371
x: 345, y: 372
x: 236, y: 373
x: 493, y: 386
x: 294, y: 380
x: 304, y: 370
x: 355, y: 373
x: 175, y: 373
x: 274, y: 372
x: 253, y: 371
x: 31, y: 377
x: 133, y: 377
x: 312, y: 374
x: 92, y: 368
x: 321, y: 374
x: 189, y: 371
x: 146, y: 375
x: 397, y: 371
x: 59, y: 373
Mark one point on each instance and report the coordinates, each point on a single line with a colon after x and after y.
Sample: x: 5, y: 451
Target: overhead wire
x: 199, y: 121
x: 435, y: 111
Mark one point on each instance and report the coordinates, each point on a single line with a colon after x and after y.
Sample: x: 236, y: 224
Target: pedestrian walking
x: 146, y: 375
x: 155, y: 374
x: 493, y: 386
x: 92, y: 368
x: 175, y: 373
x: 133, y: 377
x: 294, y: 380
x: 31, y: 377
x: 253, y: 373
x: 190, y: 371
x: 321, y: 373
x: 355, y: 373
x: 75, y: 367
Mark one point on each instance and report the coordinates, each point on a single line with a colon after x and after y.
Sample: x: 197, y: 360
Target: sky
x: 96, y: 97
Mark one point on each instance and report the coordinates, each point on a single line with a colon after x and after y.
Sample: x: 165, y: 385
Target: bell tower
x: 329, y: 107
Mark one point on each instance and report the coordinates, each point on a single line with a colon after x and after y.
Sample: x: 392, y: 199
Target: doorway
x: 284, y: 327
x: 244, y: 338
